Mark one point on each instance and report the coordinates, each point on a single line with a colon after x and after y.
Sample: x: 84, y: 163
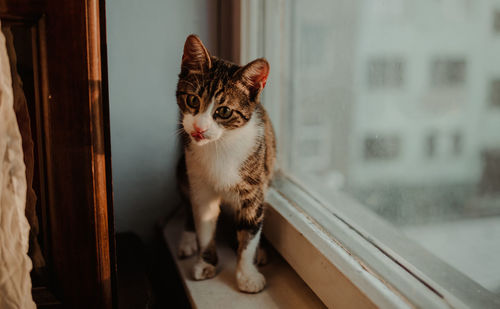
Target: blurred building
x: 428, y: 75
x: 396, y: 91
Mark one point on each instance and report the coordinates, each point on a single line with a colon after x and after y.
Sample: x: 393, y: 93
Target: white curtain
x: 15, y: 265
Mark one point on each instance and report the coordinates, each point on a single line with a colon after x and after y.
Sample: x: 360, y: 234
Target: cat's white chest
x: 218, y: 163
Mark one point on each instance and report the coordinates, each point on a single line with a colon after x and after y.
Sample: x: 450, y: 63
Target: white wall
x: 145, y: 41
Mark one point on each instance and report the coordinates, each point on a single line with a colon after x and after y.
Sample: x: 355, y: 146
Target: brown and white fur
x: 229, y: 153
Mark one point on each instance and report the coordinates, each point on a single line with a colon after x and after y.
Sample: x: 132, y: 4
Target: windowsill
x: 284, y: 289
x: 374, y: 260
x: 337, y: 275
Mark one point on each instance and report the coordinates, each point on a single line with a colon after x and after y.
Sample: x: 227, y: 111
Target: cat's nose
x: 198, y: 130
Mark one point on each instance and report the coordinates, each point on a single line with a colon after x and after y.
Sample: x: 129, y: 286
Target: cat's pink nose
x: 198, y: 130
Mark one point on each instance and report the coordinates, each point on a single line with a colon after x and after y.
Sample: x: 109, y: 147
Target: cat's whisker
x: 176, y: 133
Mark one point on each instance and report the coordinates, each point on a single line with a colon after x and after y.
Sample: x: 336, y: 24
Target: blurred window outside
x: 425, y: 159
x: 386, y: 73
x: 495, y: 93
x: 448, y: 72
x: 496, y: 23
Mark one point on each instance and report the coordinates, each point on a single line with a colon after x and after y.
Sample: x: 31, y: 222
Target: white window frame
x: 346, y: 254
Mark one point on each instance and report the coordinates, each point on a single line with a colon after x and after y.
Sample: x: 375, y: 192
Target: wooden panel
x: 77, y: 147
x: 21, y: 9
x: 71, y: 91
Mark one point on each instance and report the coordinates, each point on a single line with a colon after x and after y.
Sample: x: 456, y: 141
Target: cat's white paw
x: 202, y: 270
x: 250, y: 281
x: 188, y: 244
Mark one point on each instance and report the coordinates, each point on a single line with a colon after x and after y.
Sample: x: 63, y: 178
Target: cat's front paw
x: 188, y: 245
x: 250, y: 282
x: 203, y: 270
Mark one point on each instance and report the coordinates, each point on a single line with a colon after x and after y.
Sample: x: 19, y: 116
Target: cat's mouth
x: 202, y: 137
x: 198, y: 136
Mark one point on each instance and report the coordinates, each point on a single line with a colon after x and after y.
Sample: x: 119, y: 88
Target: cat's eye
x: 223, y: 112
x: 193, y: 101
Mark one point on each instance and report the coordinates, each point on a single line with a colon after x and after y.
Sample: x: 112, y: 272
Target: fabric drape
x: 15, y: 265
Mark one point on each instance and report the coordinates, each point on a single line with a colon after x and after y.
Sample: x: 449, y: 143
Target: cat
x: 229, y: 155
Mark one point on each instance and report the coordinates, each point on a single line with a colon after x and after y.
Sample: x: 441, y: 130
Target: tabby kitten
x: 229, y: 150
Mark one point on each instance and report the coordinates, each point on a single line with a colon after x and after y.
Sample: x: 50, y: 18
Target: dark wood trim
x: 72, y: 115
x: 41, y: 95
x: 99, y: 150
x: 78, y: 175
x: 107, y: 145
x: 44, y: 298
x: 21, y: 9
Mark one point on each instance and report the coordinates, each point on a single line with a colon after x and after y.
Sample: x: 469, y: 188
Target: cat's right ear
x: 196, y: 56
x: 254, y: 75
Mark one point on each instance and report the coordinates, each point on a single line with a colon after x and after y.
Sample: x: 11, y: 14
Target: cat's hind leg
x: 188, y: 244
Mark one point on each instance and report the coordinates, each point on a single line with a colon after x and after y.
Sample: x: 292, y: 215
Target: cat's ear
x: 196, y: 56
x: 254, y: 75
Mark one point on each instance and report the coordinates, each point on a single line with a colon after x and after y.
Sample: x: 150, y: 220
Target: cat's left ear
x: 195, y: 56
x: 254, y: 75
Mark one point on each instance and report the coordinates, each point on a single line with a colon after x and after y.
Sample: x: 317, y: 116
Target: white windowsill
x: 360, y: 253
x: 284, y: 289
x: 338, y: 278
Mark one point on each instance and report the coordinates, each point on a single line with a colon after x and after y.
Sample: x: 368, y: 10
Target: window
x: 423, y: 227
x: 430, y: 145
x: 496, y: 21
x: 495, y: 93
x: 385, y: 73
x: 448, y: 72
x: 385, y: 148
x: 457, y: 144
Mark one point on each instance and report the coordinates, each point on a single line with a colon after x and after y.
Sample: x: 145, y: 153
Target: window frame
x: 442, y: 72
x: 377, y: 264
x: 393, y: 71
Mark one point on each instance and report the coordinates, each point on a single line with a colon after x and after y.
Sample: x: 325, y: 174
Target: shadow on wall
x: 145, y: 42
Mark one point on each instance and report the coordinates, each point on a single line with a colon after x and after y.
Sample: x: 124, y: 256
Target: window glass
x: 457, y: 143
x: 430, y: 145
x: 495, y: 93
x: 390, y: 101
x: 448, y: 72
x: 386, y: 148
x: 385, y: 73
x: 496, y: 21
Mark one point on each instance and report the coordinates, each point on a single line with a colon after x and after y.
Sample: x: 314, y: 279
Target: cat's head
x: 216, y: 96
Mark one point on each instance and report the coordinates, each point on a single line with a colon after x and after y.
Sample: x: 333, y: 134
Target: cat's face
x: 216, y: 96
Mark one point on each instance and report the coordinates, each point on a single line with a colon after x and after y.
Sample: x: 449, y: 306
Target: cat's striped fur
x: 229, y: 150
